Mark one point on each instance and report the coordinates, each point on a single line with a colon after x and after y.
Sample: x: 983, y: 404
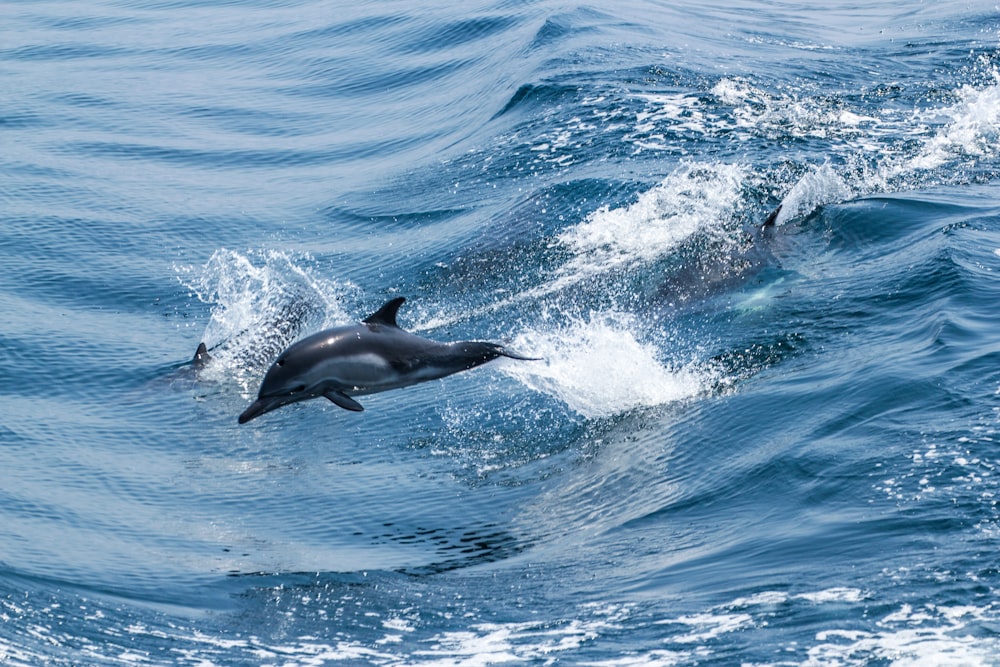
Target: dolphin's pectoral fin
x: 344, y: 401
x: 386, y: 314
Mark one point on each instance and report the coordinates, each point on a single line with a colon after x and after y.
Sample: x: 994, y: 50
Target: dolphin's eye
x: 281, y: 362
x: 297, y: 388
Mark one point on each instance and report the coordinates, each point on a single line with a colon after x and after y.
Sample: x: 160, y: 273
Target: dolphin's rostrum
x: 365, y: 358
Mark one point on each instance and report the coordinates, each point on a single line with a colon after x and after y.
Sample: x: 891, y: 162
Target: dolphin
x: 371, y: 356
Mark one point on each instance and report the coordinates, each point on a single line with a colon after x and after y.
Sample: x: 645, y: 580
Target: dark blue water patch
x: 92, y: 287
x: 458, y: 33
x: 222, y: 158
x: 35, y: 509
x: 12, y: 119
x: 867, y: 225
x: 203, y: 54
x: 43, y: 187
x: 254, y: 122
x: 373, y: 83
x: 532, y: 97
x: 65, y: 52
x: 366, y: 28
x: 554, y: 29
x: 82, y: 288
x: 71, y: 363
x: 83, y: 24
x: 905, y: 249
x: 456, y: 548
x: 379, y: 219
x: 749, y: 353
x: 563, y: 34
x: 85, y: 100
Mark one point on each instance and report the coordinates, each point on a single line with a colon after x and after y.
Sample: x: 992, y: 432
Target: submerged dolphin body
x: 366, y: 358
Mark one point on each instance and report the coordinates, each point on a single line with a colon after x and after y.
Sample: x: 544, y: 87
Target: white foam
x: 695, y: 197
x: 924, y: 636
x: 492, y: 643
x: 711, y: 625
x: 970, y: 128
x: 674, y: 112
x: 758, y: 112
x: 941, y: 142
x: 763, y: 598
x: 596, y: 364
x: 835, y: 594
x: 929, y: 635
x: 654, y: 658
x: 924, y: 646
x: 734, y: 91
x: 598, y: 367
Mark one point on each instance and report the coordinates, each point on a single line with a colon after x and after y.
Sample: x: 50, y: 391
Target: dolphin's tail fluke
x: 510, y: 354
x: 467, y: 354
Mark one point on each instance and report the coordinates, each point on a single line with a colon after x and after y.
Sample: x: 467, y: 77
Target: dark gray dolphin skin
x: 201, y: 357
x: 365, y: 358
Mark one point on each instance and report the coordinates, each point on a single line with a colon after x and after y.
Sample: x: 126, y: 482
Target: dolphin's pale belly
x: 367, y: 373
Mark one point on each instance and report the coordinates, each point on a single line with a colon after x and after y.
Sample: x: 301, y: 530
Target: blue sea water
x: 744, y: 446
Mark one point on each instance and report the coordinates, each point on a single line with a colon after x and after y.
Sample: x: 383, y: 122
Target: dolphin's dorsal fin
x: 201, y: 357
x: 772, y: 219
x: 386, y: 314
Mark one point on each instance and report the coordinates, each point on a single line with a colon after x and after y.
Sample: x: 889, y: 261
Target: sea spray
x: 261, y: 302
x: 599, y: 367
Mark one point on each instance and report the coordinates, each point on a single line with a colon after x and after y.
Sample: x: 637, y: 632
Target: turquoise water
x: 744, y: 446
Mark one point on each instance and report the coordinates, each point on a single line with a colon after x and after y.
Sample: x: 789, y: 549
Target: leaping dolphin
x: 365, y: 358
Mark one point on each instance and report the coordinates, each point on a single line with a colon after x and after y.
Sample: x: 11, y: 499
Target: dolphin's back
x: 373, y: 357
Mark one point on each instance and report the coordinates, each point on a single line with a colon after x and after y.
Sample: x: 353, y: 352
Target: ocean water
x: 746, y: 445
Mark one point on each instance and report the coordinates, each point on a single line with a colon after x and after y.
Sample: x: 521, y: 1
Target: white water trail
x: 694, y: 198
x: 598, y: 367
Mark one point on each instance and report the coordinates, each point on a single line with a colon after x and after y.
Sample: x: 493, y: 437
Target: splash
x: 595, y: 363
x: 261, y: 302
x: 968, y: 130
x: 941, y: 144
x: 694, y: 198
x: 944, y: 144
x: 819, y: 186
x: 599, y: 368
x: 792, y: 115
